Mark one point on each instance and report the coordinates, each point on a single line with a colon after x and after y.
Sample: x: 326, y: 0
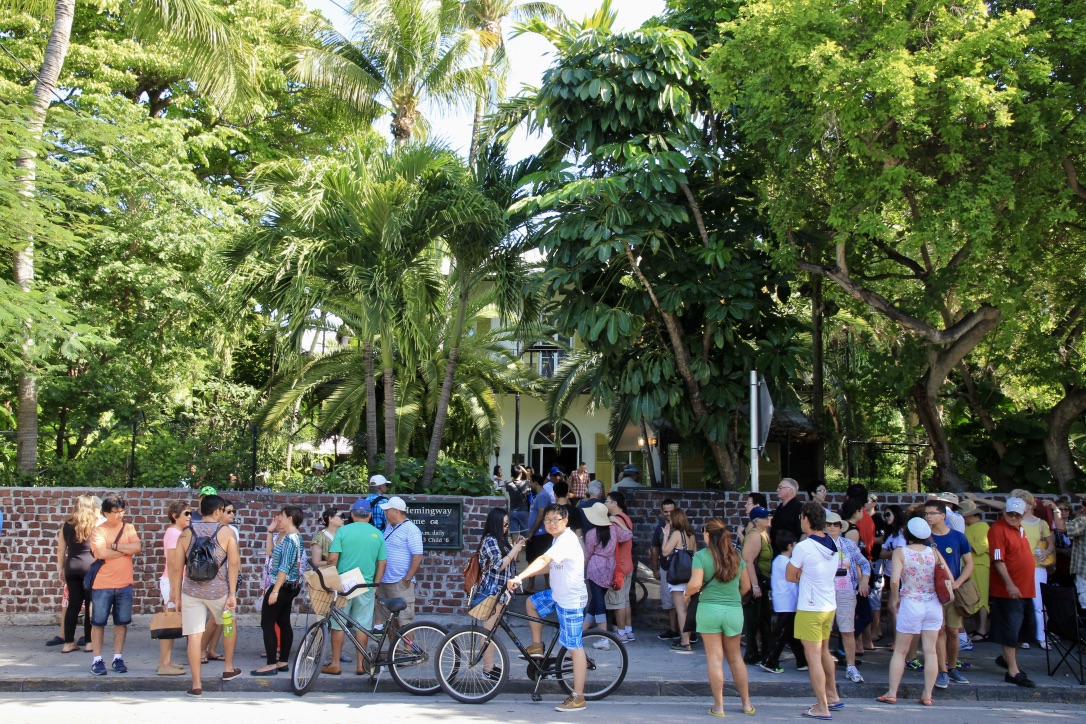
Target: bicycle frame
x: 502, y: 624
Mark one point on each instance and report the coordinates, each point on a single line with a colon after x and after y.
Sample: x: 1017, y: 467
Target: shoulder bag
x: 944, y: 584
x: 680, y: 565
x: 88, y: 578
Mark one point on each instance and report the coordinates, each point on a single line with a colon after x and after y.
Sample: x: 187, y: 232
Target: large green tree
x: 909, y: 160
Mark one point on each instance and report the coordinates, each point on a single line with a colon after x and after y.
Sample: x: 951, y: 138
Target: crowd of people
x: 934, y: 577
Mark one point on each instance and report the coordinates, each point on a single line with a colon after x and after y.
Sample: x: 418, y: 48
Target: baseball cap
x: 394, y: 503
x: 361, y: 507
x: 208, y: 490
x: 629, y: 469
x: 318, y: 466
x: 555, y: 471
x: 376, y: 480
x: 919, y: 528
x: 758, y: 512
x: 1016, y: 505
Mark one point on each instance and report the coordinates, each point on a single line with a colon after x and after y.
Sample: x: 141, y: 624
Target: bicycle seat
x: 393, y: 605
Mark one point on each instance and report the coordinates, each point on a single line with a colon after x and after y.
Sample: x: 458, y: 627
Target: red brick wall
x: 31, y: 592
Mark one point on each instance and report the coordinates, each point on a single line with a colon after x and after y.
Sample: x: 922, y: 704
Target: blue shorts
x: 570, y: 620
x: 118, y: 600
x: 360, y: 608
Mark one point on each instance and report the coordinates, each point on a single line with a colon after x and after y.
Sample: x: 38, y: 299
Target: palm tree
x: 207, y: 46
x: 404, y: 53
x: 486, y: 17
x: 485, y: 250
x: 345, y: 235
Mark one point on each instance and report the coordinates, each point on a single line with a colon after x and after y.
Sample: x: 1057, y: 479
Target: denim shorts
x: 104, y: 600
x: 570, y: 621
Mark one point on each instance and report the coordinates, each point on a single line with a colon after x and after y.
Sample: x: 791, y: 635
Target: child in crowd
x: 785, y: 595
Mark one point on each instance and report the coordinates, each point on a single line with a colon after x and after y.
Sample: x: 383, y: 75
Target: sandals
x: 809, y: 714
x: 886, y: 699
x: 976, y: 637
x: 713, y: 713
x: 926, y: 701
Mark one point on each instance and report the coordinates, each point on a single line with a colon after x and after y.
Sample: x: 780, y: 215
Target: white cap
x: 1016, y: 505
x: 376, y: 480
x: 920, y: 528
x: 394, y: 503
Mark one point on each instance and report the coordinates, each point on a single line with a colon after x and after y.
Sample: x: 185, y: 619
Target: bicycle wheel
x: 307, y: 662
x: 639, y: 594
x: 413, y: 655
x: 607, y: 663
x: 462, y: 670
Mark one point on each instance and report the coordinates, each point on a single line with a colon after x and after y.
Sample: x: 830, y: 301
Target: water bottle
x: 227, y: 624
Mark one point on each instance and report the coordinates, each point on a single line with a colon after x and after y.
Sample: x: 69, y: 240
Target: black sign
x: 441, y: 523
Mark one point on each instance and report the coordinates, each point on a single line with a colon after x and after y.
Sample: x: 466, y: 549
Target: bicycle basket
x: 320, y: 600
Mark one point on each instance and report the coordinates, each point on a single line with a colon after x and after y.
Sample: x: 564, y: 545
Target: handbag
x: 92, y: 572
x: 473, y: 573
x: 944, y: 584
x: 967, y: 598
x: 484, y: 609
x: 618, y: 579
x: 680, y: 565
x: 166, y: 625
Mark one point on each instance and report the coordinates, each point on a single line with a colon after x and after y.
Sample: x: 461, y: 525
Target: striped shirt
x: 402, y: 543
x: 286, y: 557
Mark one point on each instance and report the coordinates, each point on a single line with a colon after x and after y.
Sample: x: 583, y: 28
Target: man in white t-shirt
x: 814, y: 566
x: 567, y: 596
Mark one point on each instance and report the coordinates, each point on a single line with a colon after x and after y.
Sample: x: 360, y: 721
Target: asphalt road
x: 166, y: 708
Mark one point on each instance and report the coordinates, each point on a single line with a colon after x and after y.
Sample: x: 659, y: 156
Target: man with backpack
x: 378, y: 494
x: 204, y: 580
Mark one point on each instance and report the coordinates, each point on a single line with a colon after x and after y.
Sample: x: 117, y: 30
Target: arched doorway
x: 544, y: 455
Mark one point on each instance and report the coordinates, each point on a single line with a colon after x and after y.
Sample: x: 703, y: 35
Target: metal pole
x: 754, y: 430
x: 132, y: 455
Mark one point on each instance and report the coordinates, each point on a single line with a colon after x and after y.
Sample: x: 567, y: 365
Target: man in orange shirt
x: 1011, y: 589
x: 114, y: 543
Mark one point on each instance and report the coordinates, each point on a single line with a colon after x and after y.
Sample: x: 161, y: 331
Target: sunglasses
x: 187, y: 513
x: 231, y: 512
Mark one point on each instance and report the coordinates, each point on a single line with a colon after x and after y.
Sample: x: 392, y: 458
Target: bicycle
x: 466, y: 675
x: 410, y: 649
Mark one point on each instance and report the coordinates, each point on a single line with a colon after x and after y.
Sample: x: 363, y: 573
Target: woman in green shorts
x: 720, y: 575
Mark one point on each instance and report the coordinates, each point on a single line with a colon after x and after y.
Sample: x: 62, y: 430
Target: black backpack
x: 200, y: 564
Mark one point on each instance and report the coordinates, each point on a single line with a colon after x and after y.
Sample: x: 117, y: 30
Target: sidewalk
x: 26, y: 665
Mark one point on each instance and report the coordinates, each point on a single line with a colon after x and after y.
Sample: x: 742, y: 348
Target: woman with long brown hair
x: 722, y: 578
x: 679, y: 535
x: 74, y: 559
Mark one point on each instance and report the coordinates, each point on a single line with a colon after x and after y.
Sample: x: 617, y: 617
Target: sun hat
x: 920, y: 528
x: 394, y: 503
x: 967, y: 508
x: 597, y: 514
x: 948, y: 498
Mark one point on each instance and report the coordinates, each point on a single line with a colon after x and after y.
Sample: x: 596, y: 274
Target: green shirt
x: 713, y: 591
x: 360, y: 546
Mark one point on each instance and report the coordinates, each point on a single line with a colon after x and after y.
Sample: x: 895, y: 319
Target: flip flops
x: 55, y: 641
x: 836, y: 707
x: 809, y: 714
x: 710, y: 712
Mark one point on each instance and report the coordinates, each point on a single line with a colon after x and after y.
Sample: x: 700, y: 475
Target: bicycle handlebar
x: 349, y: 591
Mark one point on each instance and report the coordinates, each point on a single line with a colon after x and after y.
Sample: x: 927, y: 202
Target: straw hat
x: 597, y: 514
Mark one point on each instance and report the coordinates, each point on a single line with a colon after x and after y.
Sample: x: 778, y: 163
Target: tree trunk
x: 480, y: 102
x: 653, y: 483
x: 390, y: 422
x: 972, y: 396
x: 818, y: 392
x: 56, y: 50
x: 927, y: 409
x: 1057, y: 448
x: 371, y: 409
x: 682, y: 363
x: 442, y: 415
x: 293, y: 430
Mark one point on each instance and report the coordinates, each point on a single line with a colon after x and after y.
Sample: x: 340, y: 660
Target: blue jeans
x: 518, y: 522
x: 104, y: 600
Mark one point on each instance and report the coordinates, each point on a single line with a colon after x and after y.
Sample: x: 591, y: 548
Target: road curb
x: 646, y: 688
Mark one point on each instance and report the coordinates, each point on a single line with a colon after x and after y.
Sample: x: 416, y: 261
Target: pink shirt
x: 601, y: 559
x: 169, y: 542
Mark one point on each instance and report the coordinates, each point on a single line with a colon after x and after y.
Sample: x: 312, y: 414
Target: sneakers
x: 536, y: 651
x: 942, y: 681
x: 680, y: 648
x: 693, y: 638
x: 668, y: 635
x: 967, y: 646
x: 1019, y: 679
x: 602, y: 645
x: 98, y: 668
x: 803, y: 668
x: 914, y: 665
x: 956, y: 676
x: 494, y: 674
x: 119, y: 667
x: 771, y: 669
x: 170, y: 670
x: 622, y: 636
x: 853, y: 675
x: 572, y: 703
x: 630, y: 638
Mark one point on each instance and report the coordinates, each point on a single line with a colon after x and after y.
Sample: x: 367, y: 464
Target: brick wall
x: 31, y: 592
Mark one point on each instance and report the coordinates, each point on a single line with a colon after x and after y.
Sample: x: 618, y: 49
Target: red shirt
x: 1010, y: 545
x: 865, y: 526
